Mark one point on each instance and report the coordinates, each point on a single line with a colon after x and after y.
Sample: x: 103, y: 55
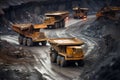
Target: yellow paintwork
x: 74, y: 53
x: 70, y: 48
x: 40, y: 26
x: 30, y: 32
x: 49, y: 21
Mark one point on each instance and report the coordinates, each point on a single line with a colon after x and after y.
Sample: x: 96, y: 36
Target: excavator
x: 111, y: 12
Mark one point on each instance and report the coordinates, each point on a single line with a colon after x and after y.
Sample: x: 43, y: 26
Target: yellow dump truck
x: 56, y: 19
x: 29, y: 34
x: 80, y: 13
x: 110, y: 12
x: 65, y: 50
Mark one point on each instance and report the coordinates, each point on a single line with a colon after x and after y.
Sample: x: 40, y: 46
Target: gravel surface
x: 17, y: 63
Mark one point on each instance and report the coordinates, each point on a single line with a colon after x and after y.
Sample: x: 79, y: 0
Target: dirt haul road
x: 41, y: 53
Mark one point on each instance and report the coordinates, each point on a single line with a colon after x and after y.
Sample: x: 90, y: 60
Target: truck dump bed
x: 29, y: 25
x: 66, y: 41
x: 77, y: 8
x: 22, y: 26
x: 57, y: 13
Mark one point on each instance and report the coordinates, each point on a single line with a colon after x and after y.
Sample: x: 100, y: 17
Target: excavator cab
x: 109, y: 12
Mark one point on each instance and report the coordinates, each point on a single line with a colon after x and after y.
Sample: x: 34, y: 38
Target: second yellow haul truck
x: 65, y: 50
x: 56, y: 19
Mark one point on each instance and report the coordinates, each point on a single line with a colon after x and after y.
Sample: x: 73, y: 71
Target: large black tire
x: 63, y: 23
x: 50, y: 26
x: 58, y: 59
x: 44, y: 43
x: 29, y: 42
x: 53, y: 57
x: 20, y: 39
x: 60, y: 24
x: 56, y: 25
x: 80, y: 63
x: 71, y: 63
x: 24, y: 41
x: 62, y: 62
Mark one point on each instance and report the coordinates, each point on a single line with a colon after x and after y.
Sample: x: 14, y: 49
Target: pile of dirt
x: 15, y: 72
x: 10, y: 54
x: 104, y: 62
x: 17, y: 63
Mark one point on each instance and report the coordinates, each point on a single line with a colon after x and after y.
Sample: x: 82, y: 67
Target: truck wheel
x: 29, y: 42
x: 80, y: 63
x: 24, y: 41
x: 44, y: 43
x: 63, y: 23
x: 20, y: 39
x: 50, y: 26
x: 79, y: 17
x: 56, y: 25
x: 58, y: 60
x: 53, y: 57
x: 62, y: 62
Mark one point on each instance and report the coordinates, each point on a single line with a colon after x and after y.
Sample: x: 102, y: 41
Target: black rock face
x: 108, y: 72
x: 69, y: 3
x: 32, y: 11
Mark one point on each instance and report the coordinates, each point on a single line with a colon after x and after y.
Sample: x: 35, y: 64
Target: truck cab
x: 74, y: 52
x: 49, y: 20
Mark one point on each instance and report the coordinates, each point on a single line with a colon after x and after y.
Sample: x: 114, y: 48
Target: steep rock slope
x: 105, y: 61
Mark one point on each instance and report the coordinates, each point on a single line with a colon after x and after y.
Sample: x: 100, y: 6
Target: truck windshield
x: 77, y: 50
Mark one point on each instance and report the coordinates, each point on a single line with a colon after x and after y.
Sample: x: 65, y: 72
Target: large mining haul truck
x: 29, y: 34
x: 66, y: 50
x: 80, y: 13
x: 56, y: 19
x: 109, y: 12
